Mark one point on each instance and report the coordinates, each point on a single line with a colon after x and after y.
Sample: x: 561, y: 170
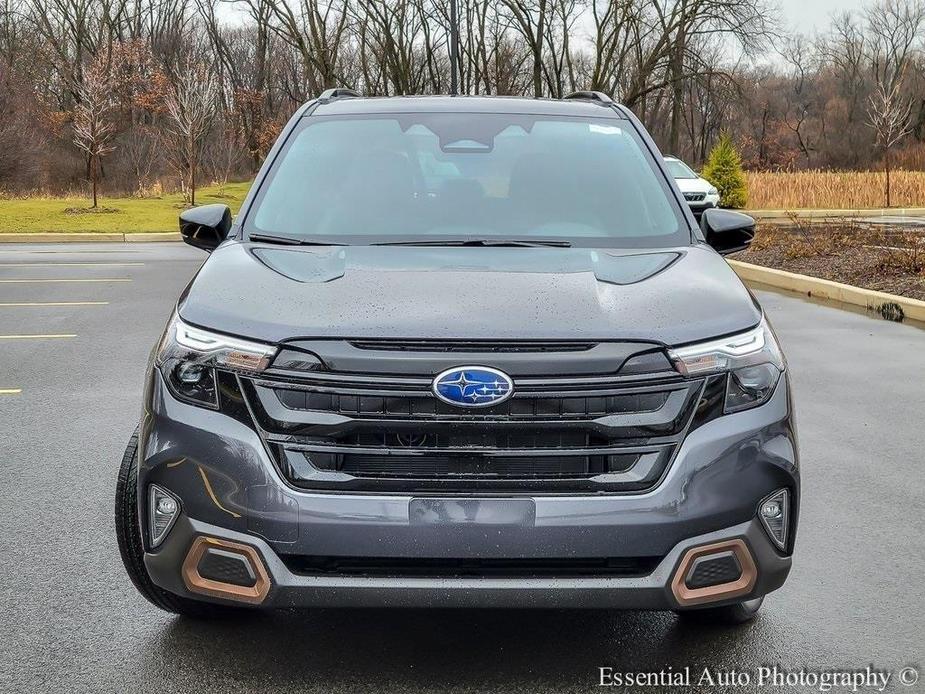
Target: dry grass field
x: 833, y: 189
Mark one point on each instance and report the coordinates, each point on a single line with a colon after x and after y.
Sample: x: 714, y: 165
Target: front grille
x: 425, y: 406
x: 429, y: 464
x: 469, y: 568
x: 386, y: 432
x: 694, y: 197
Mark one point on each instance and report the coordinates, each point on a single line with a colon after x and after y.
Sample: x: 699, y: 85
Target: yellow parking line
x: 71, y: 264
x: 53, y: 303
x: 84, y: 279
x: 10, y: 391
x: 36, y: 337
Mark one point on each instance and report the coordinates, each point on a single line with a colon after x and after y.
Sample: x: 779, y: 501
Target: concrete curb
x: 869, y: 299
x: 817, y: 214
x: 153, y: 236
x: 89, y: 237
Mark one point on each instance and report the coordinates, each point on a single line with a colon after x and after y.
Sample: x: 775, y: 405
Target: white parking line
x: 37, y: 337
x: 47, y: 251
x: 71, y: 264
x: 10, y: 391
x: 35, y: 280
x: 10, y: 304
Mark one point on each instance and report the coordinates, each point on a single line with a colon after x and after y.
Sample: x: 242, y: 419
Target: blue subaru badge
x: 473, y: 386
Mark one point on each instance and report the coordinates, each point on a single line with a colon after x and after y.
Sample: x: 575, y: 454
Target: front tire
x: 726, y: 615
x: 128, y: 534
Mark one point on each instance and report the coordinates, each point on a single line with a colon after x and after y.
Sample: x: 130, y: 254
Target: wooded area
x: 143, y: 95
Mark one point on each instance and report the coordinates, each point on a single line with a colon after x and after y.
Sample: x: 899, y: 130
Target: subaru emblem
x: 473, y: 386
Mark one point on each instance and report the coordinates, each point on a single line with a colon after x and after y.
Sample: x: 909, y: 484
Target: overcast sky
x: 807, y: 16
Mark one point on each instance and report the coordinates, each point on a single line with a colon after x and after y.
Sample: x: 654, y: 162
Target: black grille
x: 426, y: 406
x: 714, y: 570
x: 226, y: 567
x: 384, y: 432
x: 694, y: 197
x: 480, y: 346
x: 465, y: 568
x: 470, y: 464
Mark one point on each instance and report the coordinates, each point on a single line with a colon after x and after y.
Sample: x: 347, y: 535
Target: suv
x: 463, y: 351
x: 699, y: 193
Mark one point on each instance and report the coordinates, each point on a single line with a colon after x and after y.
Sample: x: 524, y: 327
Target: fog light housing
x: 774, y: 513
x: 163, y: 510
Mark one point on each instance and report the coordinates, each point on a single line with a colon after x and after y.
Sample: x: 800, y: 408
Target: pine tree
x: 724, y: 170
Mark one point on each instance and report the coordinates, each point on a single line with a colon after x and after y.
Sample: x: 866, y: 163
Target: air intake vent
x: 471, y: 346
x: 470, y: 567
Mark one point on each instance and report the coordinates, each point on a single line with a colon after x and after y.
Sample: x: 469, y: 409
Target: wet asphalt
x: 72, y: 622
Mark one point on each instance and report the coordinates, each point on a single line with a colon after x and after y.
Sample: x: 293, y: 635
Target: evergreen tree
x: 724, y: 170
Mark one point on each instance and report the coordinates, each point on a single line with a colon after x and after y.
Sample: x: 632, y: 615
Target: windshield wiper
x: 494, y: 243
x: 292, y: 240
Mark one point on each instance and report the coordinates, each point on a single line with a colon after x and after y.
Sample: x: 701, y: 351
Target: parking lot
x: 77, y: 323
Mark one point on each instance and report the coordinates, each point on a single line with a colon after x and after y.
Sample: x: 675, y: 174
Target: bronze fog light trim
x: 723, y: 591
x: 196, y: 583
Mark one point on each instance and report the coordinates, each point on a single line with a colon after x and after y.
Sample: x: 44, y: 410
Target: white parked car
x: 699, y: 192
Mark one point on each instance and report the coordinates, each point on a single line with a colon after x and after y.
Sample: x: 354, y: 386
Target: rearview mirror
x: 205, y: 226
x: 727, y: 231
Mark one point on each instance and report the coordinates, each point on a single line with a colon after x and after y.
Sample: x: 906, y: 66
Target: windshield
x: 437, y: 177
x: 679, y: 169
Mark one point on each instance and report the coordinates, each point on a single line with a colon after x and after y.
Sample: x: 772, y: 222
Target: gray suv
x: 463, y: 352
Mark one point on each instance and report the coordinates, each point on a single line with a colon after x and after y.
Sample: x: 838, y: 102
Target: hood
x: 273, y: 293
x: 693, y: 185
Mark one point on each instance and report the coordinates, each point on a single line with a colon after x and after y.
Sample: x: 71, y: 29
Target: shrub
x: 724, y: 170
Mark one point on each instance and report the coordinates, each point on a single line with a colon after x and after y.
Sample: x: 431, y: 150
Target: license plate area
x: 506, y: 512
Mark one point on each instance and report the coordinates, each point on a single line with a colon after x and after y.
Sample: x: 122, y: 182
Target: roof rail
x: 336, y: 93
x: 590, y: 96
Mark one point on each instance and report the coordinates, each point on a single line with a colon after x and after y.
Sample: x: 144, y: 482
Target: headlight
x: 712, y: 191
x: 752, y: 361
x: 188, y: 357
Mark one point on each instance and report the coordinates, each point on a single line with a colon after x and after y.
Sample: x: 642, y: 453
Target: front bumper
x: 230, y: 489
x: 287, y: 589
x: 698, y: 207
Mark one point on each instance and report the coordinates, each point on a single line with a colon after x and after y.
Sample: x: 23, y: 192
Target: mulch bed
x: 91, y: 210
x: 886, y: 258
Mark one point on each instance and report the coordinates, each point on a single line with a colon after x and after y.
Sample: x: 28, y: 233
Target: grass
x: 833, y: 189
x: 122, y: 215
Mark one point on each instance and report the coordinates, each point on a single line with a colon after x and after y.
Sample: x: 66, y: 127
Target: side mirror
x: 727, y: 231
x: 205, y: 226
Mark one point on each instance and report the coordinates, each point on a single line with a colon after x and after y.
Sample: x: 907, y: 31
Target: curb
x: 89, y: 237
x: 153, y: 236
x: 817, y: 214
x: 869, y: 299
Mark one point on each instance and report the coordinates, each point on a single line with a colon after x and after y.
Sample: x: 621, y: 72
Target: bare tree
x: 313, y: 28
x: 890, y: 115
x: 529, y: 18
x: 894, y: 27
x: 93, y: 124
x: 191, y: 107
